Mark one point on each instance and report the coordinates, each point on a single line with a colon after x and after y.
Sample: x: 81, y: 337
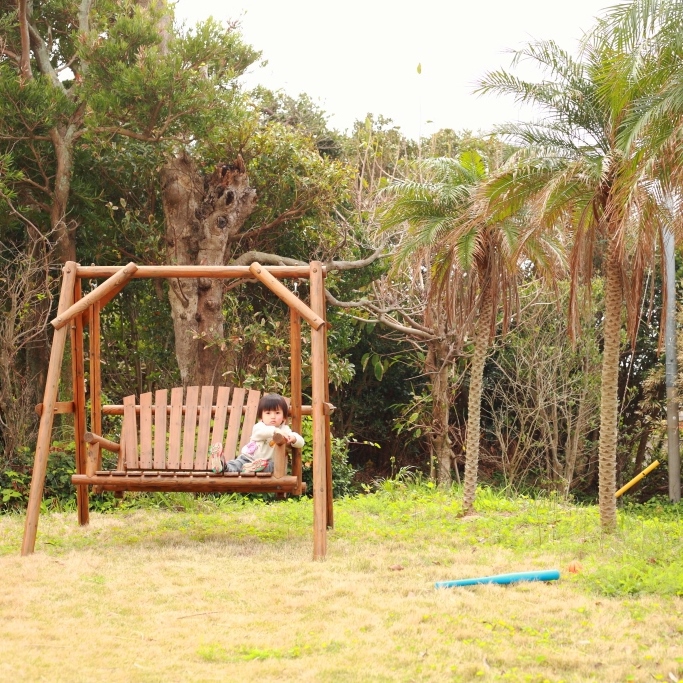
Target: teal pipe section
x: 545, y: 575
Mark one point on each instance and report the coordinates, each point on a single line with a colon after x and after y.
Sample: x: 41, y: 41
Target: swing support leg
x: 47, y: 417
x: 319, y: 436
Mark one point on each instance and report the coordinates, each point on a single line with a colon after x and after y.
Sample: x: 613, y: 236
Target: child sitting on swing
x: 271, y: 429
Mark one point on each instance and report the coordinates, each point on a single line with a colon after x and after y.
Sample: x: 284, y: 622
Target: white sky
x: 358, y: 56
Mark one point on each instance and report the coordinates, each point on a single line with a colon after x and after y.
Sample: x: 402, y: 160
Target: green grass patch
x: 641, y: 557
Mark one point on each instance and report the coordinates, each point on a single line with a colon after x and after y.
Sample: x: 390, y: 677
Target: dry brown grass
x: 145, y: 597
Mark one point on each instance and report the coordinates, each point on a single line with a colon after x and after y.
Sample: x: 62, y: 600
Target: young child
x: 271, y: 428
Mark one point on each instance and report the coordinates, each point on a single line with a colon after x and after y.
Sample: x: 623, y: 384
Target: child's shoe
x: 216, y: 461
x: 258, y: 465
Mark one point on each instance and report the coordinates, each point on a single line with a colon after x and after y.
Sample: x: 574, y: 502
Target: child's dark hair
x: 272, y: 402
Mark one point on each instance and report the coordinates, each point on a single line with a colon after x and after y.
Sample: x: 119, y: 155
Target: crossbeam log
x: 218, y: 272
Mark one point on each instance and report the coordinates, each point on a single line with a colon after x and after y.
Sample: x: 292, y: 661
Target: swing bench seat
x: 166, y: 447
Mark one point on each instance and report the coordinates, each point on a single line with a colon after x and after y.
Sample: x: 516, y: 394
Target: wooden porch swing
x: 164, y: 447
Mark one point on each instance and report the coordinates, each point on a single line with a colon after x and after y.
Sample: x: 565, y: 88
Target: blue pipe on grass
x: 545, y: 575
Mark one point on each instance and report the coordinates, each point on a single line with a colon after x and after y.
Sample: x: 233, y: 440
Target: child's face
x: 273, y: 418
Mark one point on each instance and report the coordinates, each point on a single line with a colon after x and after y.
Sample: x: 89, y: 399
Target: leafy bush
x: 342, y: 471
x: 59, y: 492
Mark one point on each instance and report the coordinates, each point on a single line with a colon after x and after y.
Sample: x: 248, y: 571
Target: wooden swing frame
x: 76, y: 311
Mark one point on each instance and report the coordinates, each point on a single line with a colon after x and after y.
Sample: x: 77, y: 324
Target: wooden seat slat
x: 175, y: 428
x: 220, y: 414
x: 160, y: 418
x: 230, y: 449
x: 146, y: 430
x: 130, y: 432
x: 249, y: 417
x: 202, y: 457
x: 206, y: 484
x: 189, y: 428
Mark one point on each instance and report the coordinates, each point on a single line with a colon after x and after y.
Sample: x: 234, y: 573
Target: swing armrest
x: 111, y: 446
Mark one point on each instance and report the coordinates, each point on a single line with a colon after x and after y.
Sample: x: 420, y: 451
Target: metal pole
x: 671, y: 395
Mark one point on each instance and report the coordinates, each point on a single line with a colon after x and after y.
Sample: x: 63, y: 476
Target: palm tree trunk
x: 441, y: 447
x: 609, y: 396
x: 481, y: 347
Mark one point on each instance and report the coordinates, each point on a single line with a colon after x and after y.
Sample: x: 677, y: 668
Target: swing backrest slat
x: 160, y: 420
x: 201, y: 459
x: 234, y: 421
x: 175, y: 429
x: 146, y: 430
x: 130, y: 432
x: 250, y: 416
x: 189, y: 428
x: 221, y: 413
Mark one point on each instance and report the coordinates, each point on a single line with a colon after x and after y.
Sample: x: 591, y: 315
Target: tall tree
x: 578, y: 169
x: 473, y: 258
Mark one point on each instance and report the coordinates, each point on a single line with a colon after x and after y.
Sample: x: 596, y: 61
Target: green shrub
x: 342, y: 471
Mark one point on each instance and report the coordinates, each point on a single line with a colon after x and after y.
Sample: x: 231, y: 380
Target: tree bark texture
x: 62, y: 140
x: 203, y: 214
x: 438, y: 368
x: 481, y: 348
x: 25, y: 63
x: 607, y: 454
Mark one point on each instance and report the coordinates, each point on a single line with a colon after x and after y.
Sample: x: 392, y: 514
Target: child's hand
x: 292, y: 439
x: 279, y: 438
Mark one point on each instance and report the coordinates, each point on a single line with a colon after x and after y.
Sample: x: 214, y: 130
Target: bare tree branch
x: 289, y: 215
x: 37, y: 235
x: 361, y: 263
x: 42, y: 56
x: 249, y: 257
x: 382, y: 316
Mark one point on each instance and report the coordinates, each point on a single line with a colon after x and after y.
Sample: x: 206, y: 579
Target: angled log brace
x: 114, y: 282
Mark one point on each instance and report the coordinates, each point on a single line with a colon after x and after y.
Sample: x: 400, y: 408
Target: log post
x: 95, y: 380
x: 280, y: 460
x: 78, y: 381
x: 48, y: 413
x: 318, y: 404
x: 328, y: 438
x: 295, y: 387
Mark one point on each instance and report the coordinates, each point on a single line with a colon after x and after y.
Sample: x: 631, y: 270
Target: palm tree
x: 472, y: 259
x: 580, y: 166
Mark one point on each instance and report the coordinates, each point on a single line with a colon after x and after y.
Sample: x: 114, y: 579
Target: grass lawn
x: 199, y: 589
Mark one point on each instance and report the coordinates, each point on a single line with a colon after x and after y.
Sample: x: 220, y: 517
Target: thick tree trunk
x: 609, y: 395
x: 63, y: 143
x: 203, y: 214
x: 25, y: 60
x: 441, y: 449
x: 481, y: 348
